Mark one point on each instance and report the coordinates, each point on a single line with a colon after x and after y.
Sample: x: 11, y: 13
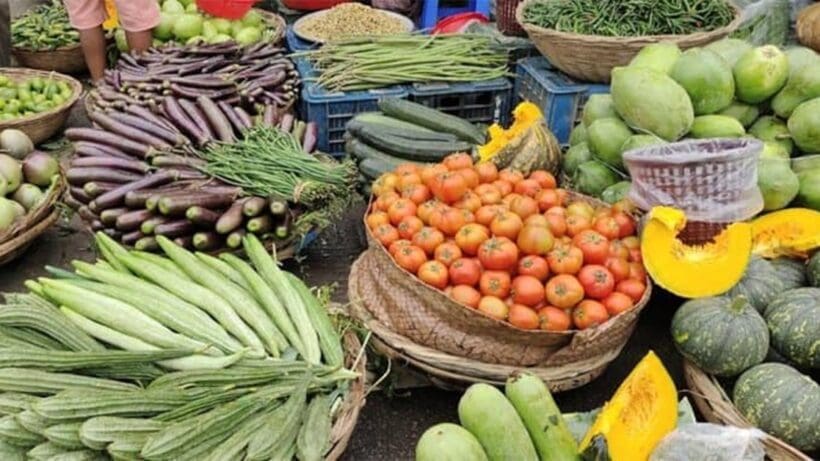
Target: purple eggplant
x: 131, y: 238
x: 176, y: 228
x: 231, y: 219
x: 181, y: 119
x: 216, y: 119
x: 132, y: 220
x: 230, y: 114
x: 110, y: 139
x: 286, y: 123
x: 171, y: 137
x: 254, y: 206
x: 193, y: 112
x: 177, y: 204
x: 136, y: 132
x: 97, y: 188
x: 260, y: 224
x: 202, y: 216
x: 234, y: 239
x: 117, y: 196
x: 82, y: 175
x: 111, y: 162
x: 206, y: 241
x: 109, y: 217
x: 146, y: 244
x: 311, y: 137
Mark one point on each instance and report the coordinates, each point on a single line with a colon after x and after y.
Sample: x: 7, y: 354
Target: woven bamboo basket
x: 42, y: 126
x: 592, y: 57
x: 66, y: 60
x: 454, y: 342
x: 345, y: 421
x: 716, y: 406
x: 15, y: 240
x: 276, y: 21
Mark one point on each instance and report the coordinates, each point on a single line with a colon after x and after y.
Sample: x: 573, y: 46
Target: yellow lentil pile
x: 349, y: 20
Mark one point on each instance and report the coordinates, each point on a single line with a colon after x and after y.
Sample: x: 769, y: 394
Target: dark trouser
x: 5, y: 36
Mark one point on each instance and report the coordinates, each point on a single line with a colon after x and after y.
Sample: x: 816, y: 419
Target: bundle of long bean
x: 629, y: 18
x: 174, y: 357
x: 375, y: 62
x: 45, y: 27
x: 260, y: 74
x: 271, y: 163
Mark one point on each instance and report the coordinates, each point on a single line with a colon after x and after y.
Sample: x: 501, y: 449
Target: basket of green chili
x: 587, y: 38
x: 44, y: 39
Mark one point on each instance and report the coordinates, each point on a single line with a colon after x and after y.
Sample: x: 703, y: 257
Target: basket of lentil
x: 588, y: 49
x: 43, y: 39
x: 350, y: 20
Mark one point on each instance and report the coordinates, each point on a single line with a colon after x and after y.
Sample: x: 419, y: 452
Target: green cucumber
x: 490, y: 417
x: 355, y: 126
x: 421, y: 151
x: 806, y: 163
x: 542, y: 418
x: 430, y: 118
x: 378, y: 118
x: 362, y: 151
x: 372, y: 168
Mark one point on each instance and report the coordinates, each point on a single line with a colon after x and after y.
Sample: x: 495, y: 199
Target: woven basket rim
x: 18, y: 72
x: 637, y: 40
x: 276, y: 20
x: 717, y: 407
x: 568, y: 333
x: 23, y: 239
x: 22, y: 49
x: 40, y: 213
x: 345, y: 422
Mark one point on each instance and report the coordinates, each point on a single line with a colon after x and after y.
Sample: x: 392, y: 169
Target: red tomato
x: 410, y: 258
x: 635, y: 255
x: 376, y: 218
x: 557, y: 224
x: 547, y: 199
x: 581, y: 208
x: 433, y: 273
x: 408, y: 227
x: 528, y: 187
x: 418, y: 193
x: 495, y: 283
x: 535, y: 266
x: 466, y: 295
x: 534, y: 240
x: 385, y: 200
x: 632, y: 242
x: 385, y: 183
x: 594, y: 246
x: 618, y: 267
x: 608, y: 227
x: 505, y: 187
x: 428, y: 239
x: 399, y: 209
x: 625, y: 206
x: 429, y: 173
x: 537, y: 220
x: 625, y: 223
x: 562, y: 196
x: 498, y: 253
x: 565, y: 259
x: 554, y: 319
x: 632, y: 288
x: 576, y: 224
x: 426, y: 209
x: 618, y: 250
x: 597, y: 281
x: 487, y: 172
x: 470, y: 202
x: 557, y: 210
x: 523, y: 317
x: 589, y: 314
x: 386, y: 234
x: 489, y: 194
x: 494, y: 307
x: 487, y: 213
x: 617, y: 302
x: 470, y: 177
x: 564, y: 291
x: 406, y: 168
x: 527, y: 290
x: 470, y: 237
x: 506, y: 224
x: 637, y: 271
x: 457, y: 161
x: 451, y: 221
x: 510, y: 176
x: 408, y: 179
x: 447, y: 252
x: 449, y: 187
x: 465, y: 271
x: 524, y: 206
x: 397, y: 245
x: 544, y: 178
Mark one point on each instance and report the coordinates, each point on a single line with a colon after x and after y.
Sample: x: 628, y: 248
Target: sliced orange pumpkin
x: 643, y: 410
x: 693, y: 271
x: 788, y: 232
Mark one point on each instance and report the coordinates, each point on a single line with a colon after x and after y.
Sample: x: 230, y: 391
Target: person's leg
x: 5, y: 33
x: 87, y: 17
x: 139, y: 41
x: 138, y: 18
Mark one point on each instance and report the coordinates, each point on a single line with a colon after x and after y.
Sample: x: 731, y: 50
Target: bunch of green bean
x: 630, y: 18
x: 271, y: 162
x: 45, y: 27
x: 359, y: 64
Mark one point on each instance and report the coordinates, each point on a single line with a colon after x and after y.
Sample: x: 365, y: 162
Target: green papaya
x: 772, y: 129
x: 598, y: 106
x: 799, y: 57
x: 578, y: 134
x: 616, y: 192
x: 804, y: 126
x: 716, y: 126
x: 774, y: 150
x: 706, y: 78
x: 640, y: 140
x: 542, y: 418
x: 490, y: 417
x: 657, y: 56
x: 777, y: 183
x: 605, y: 137
x: 449, y: 442
x: 593, y: 177
x: 760, y: 73
x: 809, y: 193
x: 575, y: 156
x: 730, y: 49
x: 802, y: 86
x: 746, y: 114
x: 650, y: 101
x: 805, y: 163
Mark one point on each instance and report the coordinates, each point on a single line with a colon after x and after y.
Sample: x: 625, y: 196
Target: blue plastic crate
x: 295, y: 43
x: 478, y: 102
x: 559, y: 97
x: 332, y: 110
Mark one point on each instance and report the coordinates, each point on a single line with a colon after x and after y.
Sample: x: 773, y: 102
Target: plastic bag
x: 710, y: 180
x: 710, y: 442
x: 766, y: 21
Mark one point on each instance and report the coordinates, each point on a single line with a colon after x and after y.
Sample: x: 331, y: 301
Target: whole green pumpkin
x: 781, y: 401
x: 760, y: 284
x: 813, y: 270
x: 793, y: 318
x: 721, y: 335
x: 791, y: 272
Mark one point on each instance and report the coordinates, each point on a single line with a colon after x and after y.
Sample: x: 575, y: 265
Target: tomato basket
x: 230, y: 9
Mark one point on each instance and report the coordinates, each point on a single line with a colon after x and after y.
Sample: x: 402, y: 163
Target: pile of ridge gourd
x: 717, y: 91
x: 764, y: 331
x: 182, y: 356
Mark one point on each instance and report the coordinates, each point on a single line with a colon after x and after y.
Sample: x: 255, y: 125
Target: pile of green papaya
x: 30, y: 96
x: 727, y: 89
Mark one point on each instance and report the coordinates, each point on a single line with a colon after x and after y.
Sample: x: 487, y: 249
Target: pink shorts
x: 134, y: 15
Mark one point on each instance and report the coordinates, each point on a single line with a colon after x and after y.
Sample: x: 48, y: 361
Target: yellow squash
x: 524, y: 115
x: 788, y: 232
x: 693, y: 271
x: 643, y: 410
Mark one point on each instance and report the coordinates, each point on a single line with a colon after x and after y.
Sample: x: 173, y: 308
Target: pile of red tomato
x: 518, y: 249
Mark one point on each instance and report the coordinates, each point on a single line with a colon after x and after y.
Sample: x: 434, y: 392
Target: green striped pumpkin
x: 760, y: 284
x: 781, y: 401
x: 721, y: 335
x: 791, y: 272
x: 793, y: 318
x: 813, y: 270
